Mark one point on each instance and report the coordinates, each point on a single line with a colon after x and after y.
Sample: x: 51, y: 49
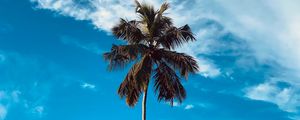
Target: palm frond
x: 161, y: 23
x: 136, y: 80
x: 163, y: 8
x: 167, y: 84
x: 184, y: 63
x: 138, y: 4
x: 166, y: 21
x: 130, y: 88
x: 146, y: 13
x: 119, y: 56
x: 173, y: 37
x: 144, y: 68
x: 129, y: 31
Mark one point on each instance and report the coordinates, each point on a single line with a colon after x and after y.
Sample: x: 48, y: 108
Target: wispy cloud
x: 102, y: 13
x: 188, y: 107
x: 271, y: 32
x: 88, y: 86
x: 39, y: 110
x: 7, y: 98
x: 183, y: 106
x: 269, y: 44
x: 285, y: 96
x: 91, y: 47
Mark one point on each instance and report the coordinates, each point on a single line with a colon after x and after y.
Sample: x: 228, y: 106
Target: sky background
x: 51, y: 65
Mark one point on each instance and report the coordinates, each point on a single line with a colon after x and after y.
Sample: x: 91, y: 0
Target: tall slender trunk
x: 144, y: 104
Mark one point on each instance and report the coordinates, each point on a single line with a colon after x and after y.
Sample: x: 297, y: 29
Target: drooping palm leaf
x: 130, y: 88
x: 167, y: 84
x: 135, y: 81
x: 180, y: 61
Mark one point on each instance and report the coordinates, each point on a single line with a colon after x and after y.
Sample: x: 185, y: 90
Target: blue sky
x: 51, y: 66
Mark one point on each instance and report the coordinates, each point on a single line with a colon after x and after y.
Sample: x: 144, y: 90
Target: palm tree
x: 151, y: 40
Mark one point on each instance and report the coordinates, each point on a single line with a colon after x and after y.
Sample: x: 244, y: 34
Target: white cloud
x: 102, y: 13
x: 65, y: 7
x: 287, y: 98
x: 188, y: 107
x: 88, y: 86
x: 270, y: 28
x: 185, y: 106
x: 176, y: 104
x: 6, y: 99
x: 272, y: 32
x: 207, y: 69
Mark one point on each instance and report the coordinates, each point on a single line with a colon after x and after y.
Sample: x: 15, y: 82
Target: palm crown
x: 151, y: 40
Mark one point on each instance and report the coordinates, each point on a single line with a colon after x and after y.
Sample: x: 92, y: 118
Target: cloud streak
x: 285, y: 96
x: 102, y: 13
x: 188, y: 107
x: 91, y: 47
x: 88, y: 86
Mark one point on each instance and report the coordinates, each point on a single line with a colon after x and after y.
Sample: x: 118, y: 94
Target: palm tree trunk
x: 144, y: 104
